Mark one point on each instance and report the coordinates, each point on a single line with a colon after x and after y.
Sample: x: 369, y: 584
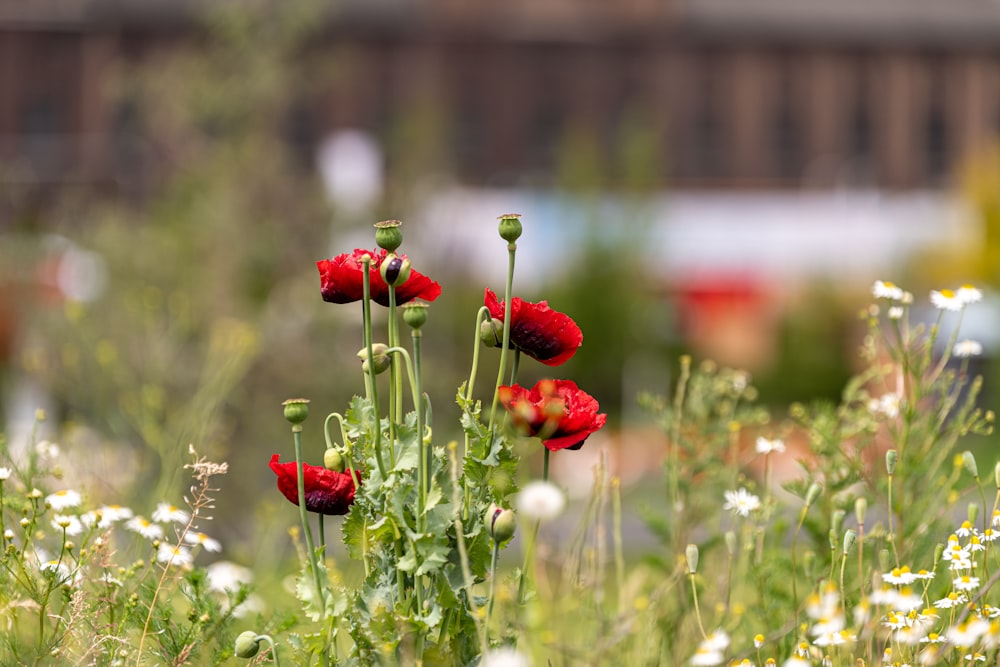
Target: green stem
x: 424, y: 466
x: 373, y: 385
x: 307, y: 531
x: 274, y: 649
x: 493, y: 581
x: 513, y: 367
x: 396, y: 380
x: 508, y: 291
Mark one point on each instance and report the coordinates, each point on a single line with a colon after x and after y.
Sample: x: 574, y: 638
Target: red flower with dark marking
x: 541, y: 333
x: 341, y: 280
x: 327, y: 491
x: 557, y: 411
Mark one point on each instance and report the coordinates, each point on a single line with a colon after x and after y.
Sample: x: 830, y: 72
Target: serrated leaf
x: 314, y: 606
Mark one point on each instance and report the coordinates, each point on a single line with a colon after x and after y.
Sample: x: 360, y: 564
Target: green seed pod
x: 510, y: 227
x: 395, y: 270
x: 296, y: 410
x: 691, y: 555
x: 388, y: 234
x: 247, y: 644
x: 415, y: 314
x: 333, y: 460
x: 837, y: 520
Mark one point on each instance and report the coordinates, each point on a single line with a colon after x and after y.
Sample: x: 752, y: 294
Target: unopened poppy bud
x: 510, y: 227
x: 388, y: 235
x: 379, y: 355
x: 415, y: 314
x: 491, y: 332
x: 969, y: 463
x: 691, y: 555
x: 502, y: 524
x: 333, y: 460
x: 813, y: 493
x: 837, y: 520
x: 850, y: 537
x: 861, y: 509
x: 247, y: 644
x: 395, y: 270
x: 296, y: 410
x: 891, y: 457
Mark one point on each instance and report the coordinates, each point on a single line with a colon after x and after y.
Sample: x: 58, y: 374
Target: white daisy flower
x: 144, y: 527
x: 895, y: 312
x: 886, y: 404
x: 206, y: 542
x: 540, y: 500
x: 946, y: 299
x: 254, y: 604
x: 116, y: 512
x: 47, y: 450
x: 505, y: 656
x: 968, y: 633
x: 967, y: 348
x: 704, y: 656
x: 71, y: 524
x: 965, y: 529
x: 63, y: 499
x: 966, y: 583
x: 741, y: 502
x: 718, y: 640
x: 4, y: 474
x: 173, y: 555
x: 883, y: 289
x: 165, y: 513
x: 765, y: 446
x: 969, y: 294
x: 225, y: 576
x: 932, y: 638
x: 950, y: 601
x: 900, y: 576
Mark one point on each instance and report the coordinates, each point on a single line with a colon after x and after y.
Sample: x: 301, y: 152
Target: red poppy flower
x: 541, y: 333
x: 341, y: 280
x: 557, y: 411
x: 327, y: 491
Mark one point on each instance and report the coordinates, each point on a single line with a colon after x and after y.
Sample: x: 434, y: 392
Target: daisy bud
x: 247, y: 644
x: 502, y: 524
x: 938, y: 551
x: 969, y: 462
x: 861, y: 509
x: 972, y: 512
x: 296, y: 410
x: 415, y: 314
x: 388, y: 235
x: 758, y: 640
x: 379, y: 355
x: 395, y: 270
x: 510, y: 227
x: 850, y: 537
x: 691, y: 554
x: 333, y: 460
x: 891, y: 457
x: 813, y: 493
x: 491, y: 332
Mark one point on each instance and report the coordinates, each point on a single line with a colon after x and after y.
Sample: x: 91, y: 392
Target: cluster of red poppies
x: 556, y: 411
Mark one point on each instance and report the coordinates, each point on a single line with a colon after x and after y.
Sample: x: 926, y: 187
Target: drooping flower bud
x: 491, y: 333
x: 837, y: 520
x: 333, y: 460
x: 510, y: 227
x: 247, y: 644
x: 415, y: 314
x: 395, y: 270
x: 379, y: 355
x: 502, y: 524
x: 388, y: 234
x: 969, y: 463
x: 296, y: 410
x: 850, y: 537
x: 691, y: 555
x: 813, y: 493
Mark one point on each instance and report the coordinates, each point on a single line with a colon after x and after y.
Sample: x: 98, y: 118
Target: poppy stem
x: 545, y: 465
x: 424, y: 449
x: 396, y: 380
x: 508, y: 291
x: 514, y: 366
x: 493, y: 581
x: 301, y: 483
x: 373, y: 387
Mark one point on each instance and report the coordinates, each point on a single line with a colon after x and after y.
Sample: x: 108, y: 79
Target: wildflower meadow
x: 857, y: 532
